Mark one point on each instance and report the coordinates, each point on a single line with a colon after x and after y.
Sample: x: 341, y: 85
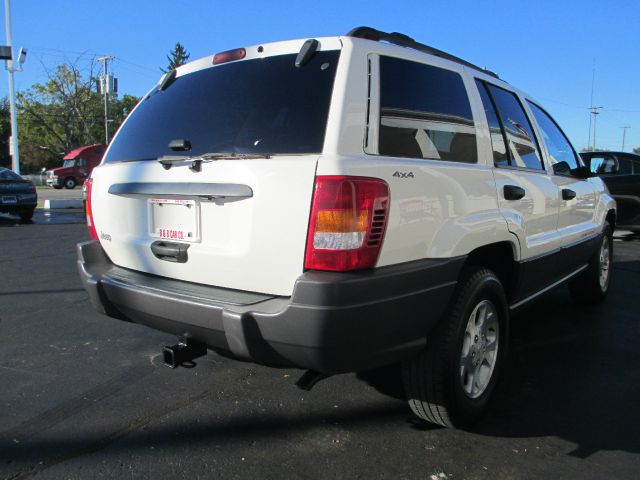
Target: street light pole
x: 105, y: 93
x: 13, y: 143
x: 624, y: 133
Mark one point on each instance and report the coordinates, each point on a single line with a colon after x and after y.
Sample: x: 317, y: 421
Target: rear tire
x: 27, y: 214
x: 451, y: 381
x: 592, y: 285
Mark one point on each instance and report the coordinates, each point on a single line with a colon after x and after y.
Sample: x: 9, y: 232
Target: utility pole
x: 594, y: 112
x: 104, y: 83
x: 624, y: 133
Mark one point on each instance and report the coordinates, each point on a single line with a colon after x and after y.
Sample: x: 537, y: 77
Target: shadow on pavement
x: 573, y: 372
x: 44, y: 217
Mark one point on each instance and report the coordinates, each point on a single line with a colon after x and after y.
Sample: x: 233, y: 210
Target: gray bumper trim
x: 333, y: 322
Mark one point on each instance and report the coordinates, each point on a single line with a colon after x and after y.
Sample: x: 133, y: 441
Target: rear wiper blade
x: 196, y: 160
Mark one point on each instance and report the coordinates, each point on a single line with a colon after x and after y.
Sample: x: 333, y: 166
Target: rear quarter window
x: 424, y: 113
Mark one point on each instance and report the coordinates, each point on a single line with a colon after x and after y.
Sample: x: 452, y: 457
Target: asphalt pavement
x: 84, y: 396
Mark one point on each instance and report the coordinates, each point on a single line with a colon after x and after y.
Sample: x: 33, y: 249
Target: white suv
x: 342, y: 203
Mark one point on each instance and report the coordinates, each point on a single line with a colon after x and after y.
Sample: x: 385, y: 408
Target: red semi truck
x: 76, y: 166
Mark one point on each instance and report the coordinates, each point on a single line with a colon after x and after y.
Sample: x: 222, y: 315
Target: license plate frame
x: 174, y: 219
x: 9, y: 200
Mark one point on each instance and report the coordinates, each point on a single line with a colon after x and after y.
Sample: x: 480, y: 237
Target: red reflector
x: 348, y: 223
x: 229, y: 56
x: 89, y: 212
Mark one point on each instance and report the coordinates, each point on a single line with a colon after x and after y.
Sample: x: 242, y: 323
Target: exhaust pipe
x: 183, y: 353
x: 309, y: 378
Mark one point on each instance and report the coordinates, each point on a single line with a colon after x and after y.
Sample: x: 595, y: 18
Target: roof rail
x: 403, y: 40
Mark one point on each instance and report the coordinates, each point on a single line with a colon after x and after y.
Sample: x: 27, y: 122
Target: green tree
x: 178, y: 56
x: 636, y: 150
x: 64, y: 113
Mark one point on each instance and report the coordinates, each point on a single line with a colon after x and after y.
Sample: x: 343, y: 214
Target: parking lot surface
x: 84, y: 396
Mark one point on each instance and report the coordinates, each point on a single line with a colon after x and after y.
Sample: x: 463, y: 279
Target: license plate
x: 9, y: 200
x: 174, y: 219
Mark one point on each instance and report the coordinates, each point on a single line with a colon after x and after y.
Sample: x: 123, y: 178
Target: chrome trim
x: 546, y: 289
x: 206, y: 190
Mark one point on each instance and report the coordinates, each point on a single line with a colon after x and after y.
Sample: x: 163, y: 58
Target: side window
x: 564, y: 159
x: 603, y: 164
x: 627, y: 166
x: 424, y: 113
x: 523, y: 148
x: 500, y: 155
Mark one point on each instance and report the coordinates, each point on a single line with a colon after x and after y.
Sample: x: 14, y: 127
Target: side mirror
x: 561, y: 168
x: 582, y: 172
x: 44, y: 169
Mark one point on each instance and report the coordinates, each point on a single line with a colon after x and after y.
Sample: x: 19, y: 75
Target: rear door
x: 527, y: 195
x: 228, y: 203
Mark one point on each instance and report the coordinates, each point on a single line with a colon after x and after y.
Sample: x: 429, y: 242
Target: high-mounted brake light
x: 90, y: 225
x: 229, y: 56
x: 348, y: 222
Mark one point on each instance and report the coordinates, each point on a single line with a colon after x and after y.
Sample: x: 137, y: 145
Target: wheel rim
x: 70, y: 184
x: 479, y: 349
x: 605, y: 263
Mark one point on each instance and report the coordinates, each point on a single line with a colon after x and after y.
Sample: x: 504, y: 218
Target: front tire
x: 451, y: 381
x: 70, y: 183
x: 592, y: 285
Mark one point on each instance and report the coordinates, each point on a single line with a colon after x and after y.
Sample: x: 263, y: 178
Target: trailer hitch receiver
x: 183, y: 353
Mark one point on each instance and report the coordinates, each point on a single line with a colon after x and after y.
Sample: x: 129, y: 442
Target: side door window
x: 564, y: 159
x: 626, y: 165
x: 424, y: 113
x: 498, y: 140
x: 522, y: 144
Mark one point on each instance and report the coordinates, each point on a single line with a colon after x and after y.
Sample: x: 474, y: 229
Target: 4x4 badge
x: 403, y: 174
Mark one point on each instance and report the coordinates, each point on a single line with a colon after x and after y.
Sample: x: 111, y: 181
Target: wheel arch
x: 500, y: 257
x: 611, y: 218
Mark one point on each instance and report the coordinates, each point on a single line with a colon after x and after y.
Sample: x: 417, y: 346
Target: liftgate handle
x: 170, y: 251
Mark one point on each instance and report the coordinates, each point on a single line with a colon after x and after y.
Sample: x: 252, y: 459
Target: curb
x: 63, y: 203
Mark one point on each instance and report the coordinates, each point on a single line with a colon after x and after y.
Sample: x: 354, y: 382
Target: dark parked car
x: 17, y: 196
x: 621, y: 173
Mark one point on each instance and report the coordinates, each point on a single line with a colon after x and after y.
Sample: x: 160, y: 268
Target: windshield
x: 261, y: 106
x: 69, y: 163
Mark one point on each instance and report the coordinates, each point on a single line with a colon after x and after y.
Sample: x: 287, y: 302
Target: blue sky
x: 546, y: 48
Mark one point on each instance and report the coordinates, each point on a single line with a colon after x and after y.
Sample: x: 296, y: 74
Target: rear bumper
x: 23, y: 201
x: 333, y: 322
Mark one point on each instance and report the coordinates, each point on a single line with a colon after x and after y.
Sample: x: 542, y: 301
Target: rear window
x: 261, y: 106
x: 6, y: 174
x: 425, y: 113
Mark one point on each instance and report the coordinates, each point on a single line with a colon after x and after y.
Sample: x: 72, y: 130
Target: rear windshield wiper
x: 167, y: 161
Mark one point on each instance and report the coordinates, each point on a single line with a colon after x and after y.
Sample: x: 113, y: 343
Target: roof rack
x: 403, y: 40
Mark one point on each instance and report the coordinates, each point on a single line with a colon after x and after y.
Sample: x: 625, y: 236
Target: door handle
x: 170, y: 251
x: 513, y: 192
x: 568, y: 194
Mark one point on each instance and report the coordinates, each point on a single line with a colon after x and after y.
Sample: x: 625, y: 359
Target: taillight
x: 89, y: 212
x: 348, y: 222
x: 229, y: 56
